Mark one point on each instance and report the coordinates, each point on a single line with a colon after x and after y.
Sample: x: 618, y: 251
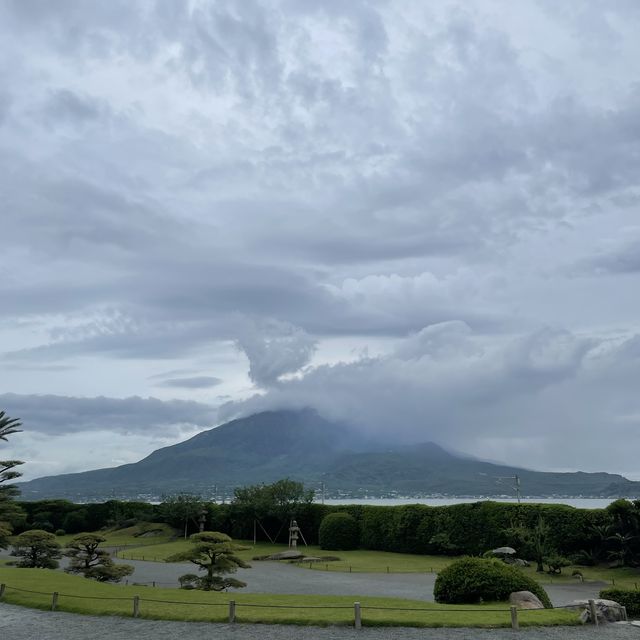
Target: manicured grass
x: 354, y: 561
x: 130, y: 536
x: 78, y: 595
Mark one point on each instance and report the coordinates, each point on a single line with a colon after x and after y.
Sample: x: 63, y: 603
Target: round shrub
x: 60, y: 532
x: 470, y: 580
x: 338, y: 532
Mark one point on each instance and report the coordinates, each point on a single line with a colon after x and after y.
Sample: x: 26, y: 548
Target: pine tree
x: 214, y: 553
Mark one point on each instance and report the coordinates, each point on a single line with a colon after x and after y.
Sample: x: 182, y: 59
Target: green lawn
x: 130, y: 536
x: 78, y: 595
x: 355, y: 561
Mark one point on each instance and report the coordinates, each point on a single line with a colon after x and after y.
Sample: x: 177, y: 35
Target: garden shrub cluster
x: 339, y: 532
x: 473, y: 580
x: 629, y: 598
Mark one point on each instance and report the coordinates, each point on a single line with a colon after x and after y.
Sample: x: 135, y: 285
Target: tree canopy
x: 182, y: 509
x: 280, y: 500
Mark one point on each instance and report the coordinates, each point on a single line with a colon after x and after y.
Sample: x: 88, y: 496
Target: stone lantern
x: 294, y: 532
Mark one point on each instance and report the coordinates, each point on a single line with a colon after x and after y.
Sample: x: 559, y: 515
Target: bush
x: 471, y: 580
x: 626, y: 597
x: 556, y: 563
x: 60, y: 532
x: 338, y: 532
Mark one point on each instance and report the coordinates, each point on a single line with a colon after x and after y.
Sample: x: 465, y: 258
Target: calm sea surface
x: 582, y: 503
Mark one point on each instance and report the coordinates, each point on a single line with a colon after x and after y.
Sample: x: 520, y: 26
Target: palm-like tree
x: 8, y: 425
x: 621, y: 554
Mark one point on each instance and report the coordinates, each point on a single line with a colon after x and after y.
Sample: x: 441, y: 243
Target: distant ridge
x: 304, y: 446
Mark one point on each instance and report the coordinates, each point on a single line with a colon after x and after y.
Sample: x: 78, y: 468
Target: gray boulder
x: 606, y: 610
x: 525, y: 600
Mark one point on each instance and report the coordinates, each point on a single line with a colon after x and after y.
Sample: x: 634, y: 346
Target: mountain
x: 304, y: 446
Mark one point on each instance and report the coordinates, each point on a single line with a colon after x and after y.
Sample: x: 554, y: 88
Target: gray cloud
x: 63, y: 415
x: 531, y: 399
x: 624, y: 260
x: 195, y: 382
x: 275, y: 349
x: 295, y: 177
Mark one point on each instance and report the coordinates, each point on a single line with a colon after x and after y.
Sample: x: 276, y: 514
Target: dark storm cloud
x: 62, y: 415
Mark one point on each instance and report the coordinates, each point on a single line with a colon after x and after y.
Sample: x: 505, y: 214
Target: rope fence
x: 356, y: 607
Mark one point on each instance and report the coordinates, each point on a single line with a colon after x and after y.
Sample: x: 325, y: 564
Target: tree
x: 214, y: 553
x: 280, y: 501
x: 37, y: 548
x: 182, y: 509
x: 621, y: 554
x: 8, y: 425
x: 92, y: 562
x: 9, y: 511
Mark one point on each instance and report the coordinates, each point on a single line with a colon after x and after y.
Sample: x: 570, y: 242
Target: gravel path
x: 284, y: 578
x: 17, y: 623
x: 276, y: 577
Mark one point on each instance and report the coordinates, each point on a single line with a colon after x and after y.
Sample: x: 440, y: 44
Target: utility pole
x: 515, y: 478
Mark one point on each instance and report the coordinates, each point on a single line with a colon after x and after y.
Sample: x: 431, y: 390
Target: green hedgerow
x: 629, y: 598
x: 471, y: 580
x: 339, y: 532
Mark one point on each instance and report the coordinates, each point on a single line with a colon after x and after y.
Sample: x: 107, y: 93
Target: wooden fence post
x: 136, y: 606
x: 3, y: 586
x: 232, y: 611
x: 54, y: 600
x: 357, y: 614
x: 594, y: 612
x: 514, y: 618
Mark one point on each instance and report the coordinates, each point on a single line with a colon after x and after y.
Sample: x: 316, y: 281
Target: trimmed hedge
x: 462, y: 529
x: 628, y: 598
x: 338, y: 532
x: 471, y: 580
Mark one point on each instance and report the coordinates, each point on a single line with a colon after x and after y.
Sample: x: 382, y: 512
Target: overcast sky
x: 419, y: 217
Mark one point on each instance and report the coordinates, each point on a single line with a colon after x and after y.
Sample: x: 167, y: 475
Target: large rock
x: 606, y: 610
x: 525, y: 600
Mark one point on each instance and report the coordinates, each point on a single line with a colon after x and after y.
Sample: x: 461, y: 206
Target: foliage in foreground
x: 471, y: 580
x: 214, y: 553
x: 92, y: 562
